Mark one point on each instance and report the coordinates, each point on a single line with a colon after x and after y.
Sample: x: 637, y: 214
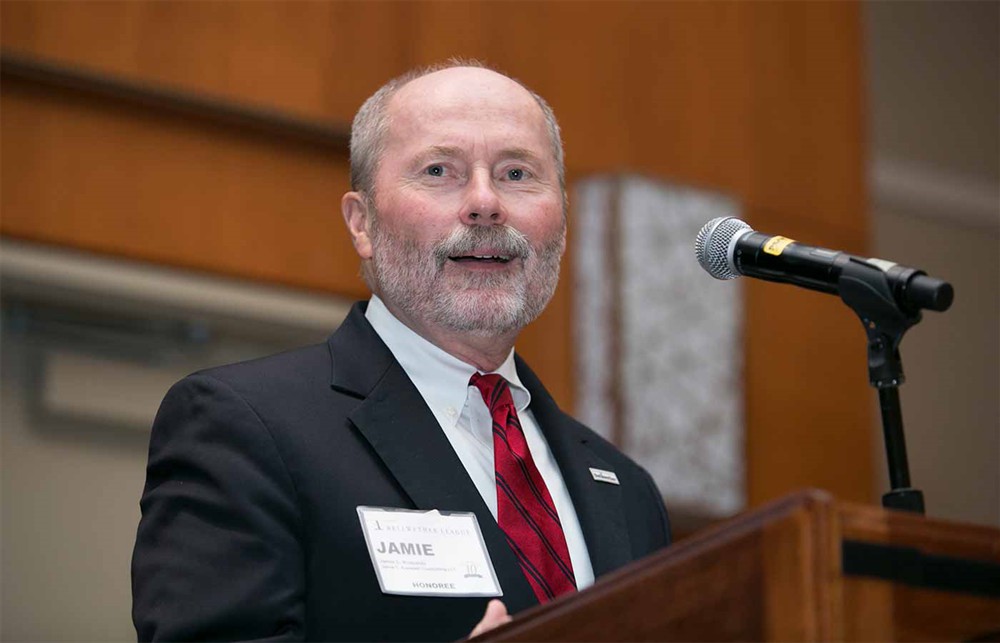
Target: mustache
x: 502, y: 239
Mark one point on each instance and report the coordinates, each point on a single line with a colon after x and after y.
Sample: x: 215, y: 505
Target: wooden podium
x: 803, y: 568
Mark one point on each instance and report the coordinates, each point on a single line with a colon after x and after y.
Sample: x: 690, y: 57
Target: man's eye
x: 515, y: 174
x: 435, y: 170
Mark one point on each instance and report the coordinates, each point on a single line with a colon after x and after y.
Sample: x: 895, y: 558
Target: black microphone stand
x: 864, y: 287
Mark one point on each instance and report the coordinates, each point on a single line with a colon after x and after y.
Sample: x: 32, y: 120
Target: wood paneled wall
x: 760, y: 100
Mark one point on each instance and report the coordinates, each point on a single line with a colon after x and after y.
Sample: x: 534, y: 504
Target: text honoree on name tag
x: 428, y: 553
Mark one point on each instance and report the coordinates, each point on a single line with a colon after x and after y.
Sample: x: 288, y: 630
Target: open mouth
x: 481, y: 259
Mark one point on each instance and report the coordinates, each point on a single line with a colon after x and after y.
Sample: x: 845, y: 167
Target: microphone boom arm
x: 866, y: 290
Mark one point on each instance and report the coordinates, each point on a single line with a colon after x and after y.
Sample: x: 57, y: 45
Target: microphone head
x: 714, y: 246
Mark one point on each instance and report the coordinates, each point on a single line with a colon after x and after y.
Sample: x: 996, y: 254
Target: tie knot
x: 494, y: 389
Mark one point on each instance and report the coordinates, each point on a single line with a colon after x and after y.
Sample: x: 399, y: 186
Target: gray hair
x: 372, y: 122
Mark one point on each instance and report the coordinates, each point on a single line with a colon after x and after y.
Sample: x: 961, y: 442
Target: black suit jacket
x: 249, y: 526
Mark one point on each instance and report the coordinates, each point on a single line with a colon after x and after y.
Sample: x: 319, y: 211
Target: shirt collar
x: 441, y: 378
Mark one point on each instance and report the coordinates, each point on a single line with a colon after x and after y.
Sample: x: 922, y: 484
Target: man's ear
x: 355, y: 209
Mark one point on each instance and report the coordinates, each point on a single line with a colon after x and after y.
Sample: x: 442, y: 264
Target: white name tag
x: 428, y: 553
x: 604, y: 476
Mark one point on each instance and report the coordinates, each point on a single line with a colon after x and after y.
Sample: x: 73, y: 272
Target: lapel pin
x: 601, y: 475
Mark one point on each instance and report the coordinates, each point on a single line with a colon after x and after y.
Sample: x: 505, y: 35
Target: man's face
x: 468, y: 225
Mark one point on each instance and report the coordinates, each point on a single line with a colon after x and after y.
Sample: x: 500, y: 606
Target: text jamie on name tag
x: 428, y: 553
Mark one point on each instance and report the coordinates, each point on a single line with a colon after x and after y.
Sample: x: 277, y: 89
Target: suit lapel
x: 598, y: 504
x: 399, y: 426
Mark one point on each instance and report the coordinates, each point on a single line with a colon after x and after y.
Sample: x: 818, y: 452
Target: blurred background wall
x: 934, y: 96
x: 170, y: 199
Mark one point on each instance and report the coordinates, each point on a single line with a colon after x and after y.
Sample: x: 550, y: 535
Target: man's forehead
x: 461, y: 89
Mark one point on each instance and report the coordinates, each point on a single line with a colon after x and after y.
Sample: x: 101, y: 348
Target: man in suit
x: 251, y: 527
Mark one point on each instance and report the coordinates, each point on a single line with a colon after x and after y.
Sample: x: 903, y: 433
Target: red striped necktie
x: 525, y: 510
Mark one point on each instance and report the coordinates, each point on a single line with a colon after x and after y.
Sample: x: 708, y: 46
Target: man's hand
x: 495, y: 616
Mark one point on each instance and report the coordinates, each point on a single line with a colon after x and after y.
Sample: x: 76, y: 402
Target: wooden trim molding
x: 35, y: 71
x: 935, y: 192
x: 50, y: 275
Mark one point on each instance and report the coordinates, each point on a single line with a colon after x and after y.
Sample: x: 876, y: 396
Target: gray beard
x: 413, y: 278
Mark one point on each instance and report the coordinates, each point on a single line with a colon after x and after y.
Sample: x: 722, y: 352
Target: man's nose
x: 483, y: 205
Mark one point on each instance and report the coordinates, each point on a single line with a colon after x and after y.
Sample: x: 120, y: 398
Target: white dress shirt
x: 443, y: 382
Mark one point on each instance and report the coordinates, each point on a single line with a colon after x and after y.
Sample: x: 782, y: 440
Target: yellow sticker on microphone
x: 775, y: 245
